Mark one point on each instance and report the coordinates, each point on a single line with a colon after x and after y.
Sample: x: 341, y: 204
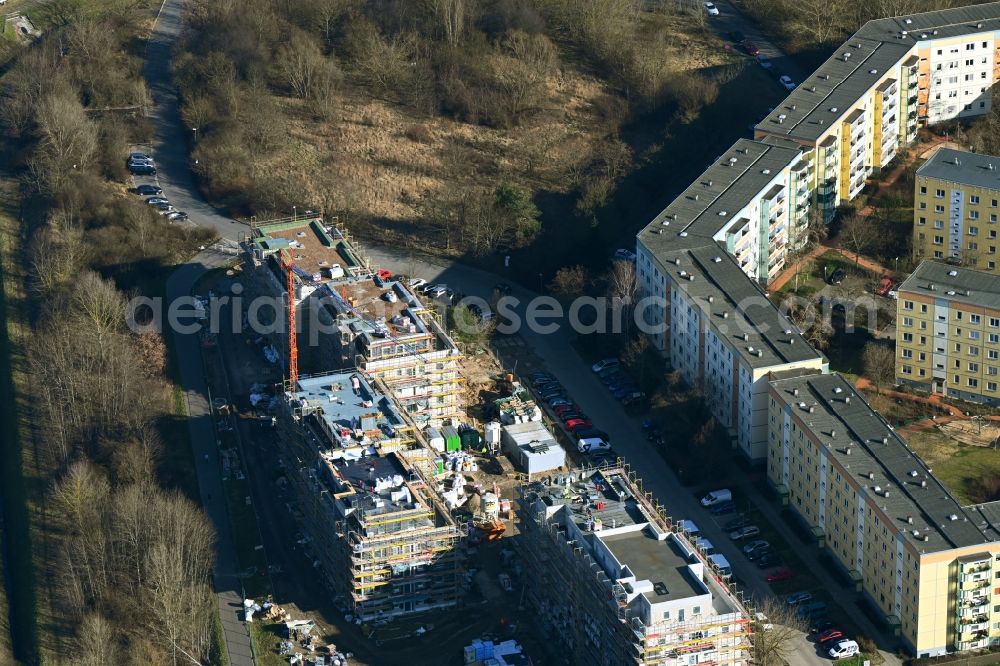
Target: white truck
x: 716, y: 497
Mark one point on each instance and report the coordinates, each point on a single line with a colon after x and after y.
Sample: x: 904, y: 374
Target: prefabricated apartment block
x: 926, y: 562
x: 384, y: 542
x: 719, y: 330
x: 351, y: 315
x: 948, y: 332
x: 956, y: 202
x: 612, y: 581
x: 853, y: 114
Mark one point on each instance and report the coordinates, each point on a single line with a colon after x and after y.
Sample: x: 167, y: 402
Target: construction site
x: 350, y: 315
x: 616, y: 583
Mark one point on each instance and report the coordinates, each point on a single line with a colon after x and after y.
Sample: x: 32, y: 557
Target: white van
x: 592, y: 445
x: 716, y: 497
x: 843, y: 649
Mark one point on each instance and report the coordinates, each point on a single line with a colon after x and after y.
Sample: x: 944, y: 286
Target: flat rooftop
x: 876, y: 449
x: 347, y: 413
x: 821, y: 101
x: 619, y: 506
x: 934, y: 279
x: 964, y: 168
x: 713, y: 201
x: 738, y: 308
x: 314, y: 247
x: 662, y: 563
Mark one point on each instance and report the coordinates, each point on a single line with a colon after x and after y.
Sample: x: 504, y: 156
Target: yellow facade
x: 975, y: 241
x: 943, y: 346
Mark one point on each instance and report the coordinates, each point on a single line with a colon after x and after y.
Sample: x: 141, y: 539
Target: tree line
x: 126, y: 562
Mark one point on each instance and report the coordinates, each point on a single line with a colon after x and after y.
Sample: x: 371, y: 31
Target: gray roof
x: 954, y: 283
x: 739, y: 310
x: 879, y: 45
x: 662, y: 563
x: 959, y: 166
x: 711, y: 202
x: 875, y: 449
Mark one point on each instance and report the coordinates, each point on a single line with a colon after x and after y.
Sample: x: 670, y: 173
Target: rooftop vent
x: 934, y: 32
x: 781, y: 118
x: 750, y: 349
x: 979, y: 26
x: 812, y: 410
x: 711, y: 299
x: 923, y: 484
x: 847, y: 400
x: 847, y: 451
x: 683, y: 234
x: 873, y: 71
x: 690, y: 278
x: 760, y: 353
x: 923, y: 35
x: 914, y: 473
x: 723, y: 213
x: 952, y: 273
x: 708, y: 184
x: 802, y: 405
x: 793, y: 107
x: 716, y: 259
x: 990, y: 166
x: 951, y: 292
x: 677, y: 261
x: 833, y: 109
x: 826, y: 77
x: 812, y: 88
x: 725, y: 315
x: 833, y: 434
x: 847, y: 54
x: 795, y: 391
x: 871, y: 476
x: 665, y: 223
x: 836, y: 389
x: 746, y: 336
x: 908, y: 21
x: 953, y: 516
x: 766, y: 172
x: 695, y: 197
x: 885, y: 440
x: 916, y: 534
x: 734, y: 160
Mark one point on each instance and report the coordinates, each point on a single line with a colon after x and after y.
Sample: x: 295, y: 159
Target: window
x: 907, y: 321
x: 992, y: 354
x: 939, y: 194
x: 923, y: 220
x: 973, y: 367
x: 973, y: 383
x: 938, y: 208
x: 908, y: 305
x: 975, y: 319
x: 974, y: 199
x: 973, y: 214
x: 939, y: 240
x: 907, y: 337
x: 907, y: 353
x: 973, y: 335
x: 939, y: 224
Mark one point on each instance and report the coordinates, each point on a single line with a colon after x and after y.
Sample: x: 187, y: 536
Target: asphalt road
x: 174, y: 176
x: 730, y: 20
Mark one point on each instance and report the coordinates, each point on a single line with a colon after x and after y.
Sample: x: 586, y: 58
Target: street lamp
x: 295, y: 214
x: 895, y: 265
x: 195, y: 130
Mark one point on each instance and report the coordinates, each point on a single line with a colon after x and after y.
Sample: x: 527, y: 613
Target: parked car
x: 138, y: 156
x: 558, y: 402
x: 562, y: 409
x: 736, y: 523
x: 156, y: 201
x: 605, y: 364
x: 148, y: 190
x: 621, y: 254
x: 843, y: 650
x: 798, y: 598
x: 578, y: 424
x: 711, y: 9
x: 778, y: 575
x: 833, y: 634
x: 751, y: 48
x: 566, y: 417
x: 416, y: 283
x: 588, y: 433
x: 164, y: 207
x: 760, y: 553
x: 427, y: 287
x: 885, y: 285
x: 142, y: 170
x: 811, y: 610
x: 820, y: 626
x: 765, y: 64
x: 723, y: 508
x: 552, y: 391
x: 556, y: 399
x: 744, y: 532
x: 716, y: 497
x: 837, y: 276
x: 768, y: 559
x: 592, y: 445
x: 177, y: 216
x: 755, y: 545
x: 786, y: 82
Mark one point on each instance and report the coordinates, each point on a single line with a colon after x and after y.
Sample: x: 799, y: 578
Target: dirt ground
x: 972, y: 433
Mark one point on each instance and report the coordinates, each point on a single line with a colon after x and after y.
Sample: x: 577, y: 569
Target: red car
x: 780, y: 574
x: 830, y: 635
x: 751, y: 48
x: 562, y: 409
x: 884, y: 287
x: 577, y: 424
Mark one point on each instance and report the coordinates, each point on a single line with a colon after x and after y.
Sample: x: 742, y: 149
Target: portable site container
x: 434, y: 439
x: 452, y: 441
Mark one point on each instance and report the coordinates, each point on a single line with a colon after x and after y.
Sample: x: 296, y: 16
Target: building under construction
x: 613, y: 581
x: 383, y: 540
x: 349, y: 314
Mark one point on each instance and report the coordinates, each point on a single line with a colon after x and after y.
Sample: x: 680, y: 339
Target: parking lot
x: 141, y: 164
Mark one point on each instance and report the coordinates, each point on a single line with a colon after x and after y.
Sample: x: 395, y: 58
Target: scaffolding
x: 590, y: 613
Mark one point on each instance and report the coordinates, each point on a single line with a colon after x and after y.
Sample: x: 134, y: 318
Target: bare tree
x: 97, y: 641
x: 880, y: 363
x: 521, y: 70
x: 775, y: 631
x: 452, y: 16
x: 858, y: 233
x: 569, y: 281
x: 623, y: 288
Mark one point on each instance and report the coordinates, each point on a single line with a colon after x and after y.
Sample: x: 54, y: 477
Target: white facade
x: 961, y: 71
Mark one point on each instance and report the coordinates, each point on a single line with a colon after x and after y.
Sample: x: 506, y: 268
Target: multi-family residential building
x: 948, y: 332
x: 866, y: 101
x: 383, y: 539
x: 352, y: 315
x: 956, y: 202
x: 718, y: 329
x: 615, y: 584
x: 926, y: 562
